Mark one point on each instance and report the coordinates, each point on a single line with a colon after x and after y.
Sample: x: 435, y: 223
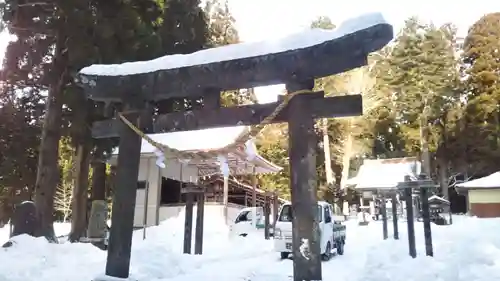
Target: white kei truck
x: 244, y: 223
x: 333, y: 232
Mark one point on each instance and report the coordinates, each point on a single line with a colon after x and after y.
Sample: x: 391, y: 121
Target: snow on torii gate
x: 295, y: 61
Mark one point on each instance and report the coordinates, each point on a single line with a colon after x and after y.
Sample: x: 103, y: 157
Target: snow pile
x: 159, y: 257
x: 36, y: 259
x: 4, y: 234
x: 304, y: 39
x: 468, y: 250
x: 60, y: 228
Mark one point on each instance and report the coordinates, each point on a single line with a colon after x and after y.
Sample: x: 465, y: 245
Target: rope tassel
x: 160, y: 161
x: 250, y: 150
x: 224, y: 167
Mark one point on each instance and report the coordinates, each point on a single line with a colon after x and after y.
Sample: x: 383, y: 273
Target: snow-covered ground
x: 469, y: 250
x: 60, y: 228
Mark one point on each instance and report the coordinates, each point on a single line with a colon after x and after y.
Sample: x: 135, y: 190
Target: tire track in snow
x: 350, y: 266
x: 230, y: 269
x: 266, y: 265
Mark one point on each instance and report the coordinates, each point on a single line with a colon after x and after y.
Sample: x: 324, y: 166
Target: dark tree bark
x: 98, y: 180
x: 82, y: 138
x: 98, y: 212
x: 48, y: 170
x: 80, y: 194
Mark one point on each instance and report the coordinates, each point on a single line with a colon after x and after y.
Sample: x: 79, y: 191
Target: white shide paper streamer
x: 224, y: 167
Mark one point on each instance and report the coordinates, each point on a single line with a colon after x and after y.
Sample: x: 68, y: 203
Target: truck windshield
x: 287, y: 213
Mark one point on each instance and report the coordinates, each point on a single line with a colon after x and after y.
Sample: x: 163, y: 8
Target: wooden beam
x: 192, y: 189
x: 327, y: 58
x: 330, y: 107
x: 226, y: 197
x: 212, y: 98
x: 200, y: 214
x: 188, y: 223
x: 302, y: 147
x: 254, y: 196
x: 275, y: 207
x: 267, y: 210
x: 124, y: 198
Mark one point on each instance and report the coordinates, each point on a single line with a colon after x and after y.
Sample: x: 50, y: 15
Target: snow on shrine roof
x: 198, y: 140
x: 489, y: 182
x: 209, y: 139
x: 300, y: 40
x: 437, y: 198
x: 385, y: 173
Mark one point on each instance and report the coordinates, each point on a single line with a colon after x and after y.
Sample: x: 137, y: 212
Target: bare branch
x: 31, y: 4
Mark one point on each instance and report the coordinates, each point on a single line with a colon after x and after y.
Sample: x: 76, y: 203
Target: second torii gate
x: 295, y: 62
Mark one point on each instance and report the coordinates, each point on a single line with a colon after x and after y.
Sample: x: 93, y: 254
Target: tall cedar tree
x: 128, y: 34
x: 328, y: 186
x: 273, y: 143
x: 184, y: 27
x: 221, y: 24
x: 54, y: 40
x: 19, y: 138
x: 380, y: 127
x: 481, y: 70
x: 419, y: 76
x: 222, y: 31
x: 183, y: 31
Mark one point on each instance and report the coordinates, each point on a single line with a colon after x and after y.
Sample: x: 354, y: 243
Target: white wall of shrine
x: 151, y: 173
x: 212, y: 210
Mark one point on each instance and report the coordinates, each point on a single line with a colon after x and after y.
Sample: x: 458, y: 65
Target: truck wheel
x: 328, y: 252
x: 340, y: 248
x: 284, y: 255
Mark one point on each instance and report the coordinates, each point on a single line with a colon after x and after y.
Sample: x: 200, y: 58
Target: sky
x: 258, y: 20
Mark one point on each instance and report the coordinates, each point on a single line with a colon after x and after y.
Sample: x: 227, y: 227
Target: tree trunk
x: 346, y: 166
x: 99, y: 209
x: 346, y: 159
x: 443, y: 160
x: 98, y: 180
x: 326, y: 149
x: 80, y: 193
x: 424, y: 143
x: 443, y: 177
x: 48, y: 170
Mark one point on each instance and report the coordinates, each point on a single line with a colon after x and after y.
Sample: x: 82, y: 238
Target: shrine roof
x: 247, y: 187
x: 489, y: 182
x: 312, y: 53
x: 197, y: 140
x: 213, y: 139
x: 384, y: 174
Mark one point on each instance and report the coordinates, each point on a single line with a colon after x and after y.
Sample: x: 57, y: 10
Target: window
x: 245, y: 216
x: 170, y: 191
x: 320, y: 217
x: 328, y: 215
x: 141, y: 185
x: 286, y: 213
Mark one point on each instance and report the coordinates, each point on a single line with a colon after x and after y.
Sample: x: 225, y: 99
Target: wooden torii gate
x: 295, y: 66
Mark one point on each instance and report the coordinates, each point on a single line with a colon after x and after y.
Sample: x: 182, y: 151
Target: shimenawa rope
x: 202, y: 155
